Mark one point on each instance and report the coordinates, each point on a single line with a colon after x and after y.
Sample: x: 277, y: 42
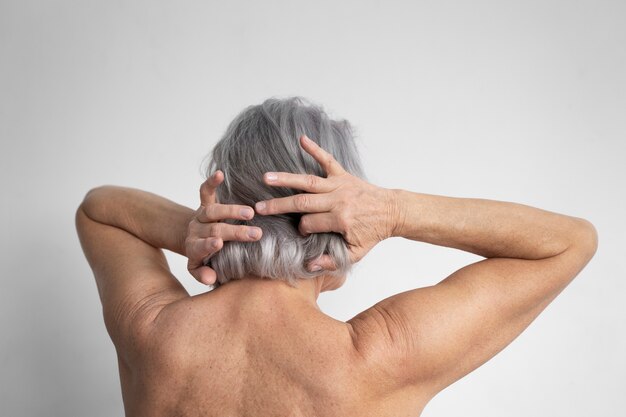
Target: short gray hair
x: 266, y: 137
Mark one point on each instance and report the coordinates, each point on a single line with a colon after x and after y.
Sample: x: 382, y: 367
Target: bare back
x: 238, y: 351
x: 224, y: 354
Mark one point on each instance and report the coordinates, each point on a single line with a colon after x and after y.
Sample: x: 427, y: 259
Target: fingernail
x: 306, y: 138
x: 253, y: 233
x: 215, y: 243
x: 260, y: 206
x: 271, y: 176
x: 244, y: 212
x: 315, y: 268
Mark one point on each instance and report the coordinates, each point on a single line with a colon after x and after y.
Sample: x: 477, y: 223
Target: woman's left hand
x: 206, y: 233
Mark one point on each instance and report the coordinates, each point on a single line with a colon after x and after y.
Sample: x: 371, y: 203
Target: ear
x: 324, y: 262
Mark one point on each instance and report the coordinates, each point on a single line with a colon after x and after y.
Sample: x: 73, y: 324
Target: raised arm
x: 122, y: 231
x: 429, y: 337
x: 489, y: 228
x: 433, y: 336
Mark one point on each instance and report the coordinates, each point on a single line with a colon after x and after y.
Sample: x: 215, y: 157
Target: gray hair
x: 263, y: 138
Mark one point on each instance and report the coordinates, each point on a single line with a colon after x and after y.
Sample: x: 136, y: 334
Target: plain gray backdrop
x: 516, y: 101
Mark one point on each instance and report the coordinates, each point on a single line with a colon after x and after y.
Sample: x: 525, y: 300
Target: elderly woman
x: 258, y: 344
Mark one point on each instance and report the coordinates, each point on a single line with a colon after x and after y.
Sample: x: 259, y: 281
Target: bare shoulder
x: 380, y: 338
x: 430, y: 337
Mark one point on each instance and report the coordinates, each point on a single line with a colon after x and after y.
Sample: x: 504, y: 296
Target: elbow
x: 92, y: 205
x: 586, y: 237
x: 95, y: 196
x: 95, y: 192
x: 84, y: 204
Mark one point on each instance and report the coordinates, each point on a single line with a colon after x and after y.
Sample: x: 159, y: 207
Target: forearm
x: 153, y: 219
x: 487, y: 228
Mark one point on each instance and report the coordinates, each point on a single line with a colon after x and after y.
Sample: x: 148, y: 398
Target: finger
x: 319, y: 223
x: 207, y: 189
x: 306, y: 182
x: 324, y: 262
x: 325, y: 159
x: 200, y: 249
x: 215, y: 212
x: 312, y: 203
x: 205, y: 275
x: 225, y: 232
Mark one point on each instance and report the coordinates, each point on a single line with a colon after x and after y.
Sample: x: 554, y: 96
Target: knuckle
x: 208, y: 210
x: 311, y: 182
x: 195, y: 227
x: 344, y: 205
x: 328, y: 162
x: 214, y: 229
x: 343, y: 221
x: 242, y: 233
x: 302, y: 202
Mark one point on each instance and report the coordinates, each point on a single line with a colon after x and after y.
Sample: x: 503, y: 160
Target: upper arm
x: 133, y: 279
x: 435, y: 335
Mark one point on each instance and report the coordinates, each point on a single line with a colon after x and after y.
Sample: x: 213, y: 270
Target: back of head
x: 264, y: 138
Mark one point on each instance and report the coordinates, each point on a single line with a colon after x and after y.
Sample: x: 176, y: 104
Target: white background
x: 517, y: 101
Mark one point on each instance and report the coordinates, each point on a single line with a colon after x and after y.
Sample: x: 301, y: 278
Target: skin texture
x: 258, y: 347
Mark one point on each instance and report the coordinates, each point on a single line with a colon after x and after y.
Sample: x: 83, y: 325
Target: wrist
x: 172, y: 220
x: 183, y: 232
x: 395, y: 214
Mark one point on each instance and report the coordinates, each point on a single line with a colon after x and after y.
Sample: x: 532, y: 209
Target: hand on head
x: 206, y: 232
x: 340, y: 203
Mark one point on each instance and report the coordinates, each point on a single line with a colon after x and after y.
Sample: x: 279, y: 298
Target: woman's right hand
x: 206, y: 232
x: 363, y: 213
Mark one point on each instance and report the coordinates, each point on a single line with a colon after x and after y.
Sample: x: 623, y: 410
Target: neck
x: 306, y: 291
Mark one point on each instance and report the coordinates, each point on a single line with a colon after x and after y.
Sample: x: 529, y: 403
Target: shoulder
x: 379, y: 341
x: 384, y: 366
